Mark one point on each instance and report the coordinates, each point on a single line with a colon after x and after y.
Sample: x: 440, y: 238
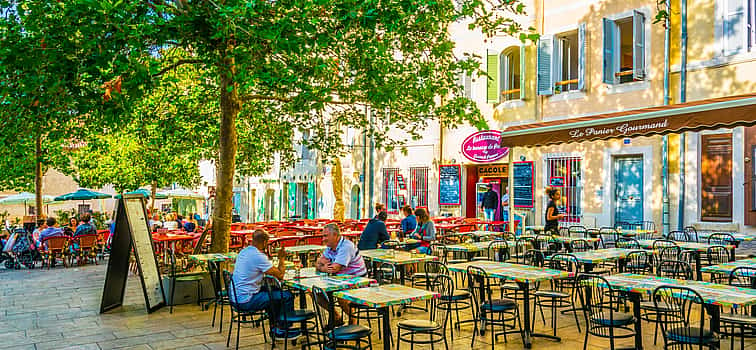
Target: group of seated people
x: 174, y: 221
x: 418, y: 226
x: 341, y: 257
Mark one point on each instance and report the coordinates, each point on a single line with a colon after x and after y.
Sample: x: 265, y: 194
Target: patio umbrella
x: 145, y: 193
x: 24, y: 198
x: 181, y: 194
x: 82, y: 194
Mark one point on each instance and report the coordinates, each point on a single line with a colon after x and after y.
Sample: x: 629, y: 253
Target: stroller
x: 23, y: 251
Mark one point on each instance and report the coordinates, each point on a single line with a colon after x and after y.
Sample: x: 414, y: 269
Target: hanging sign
x: 400, y: 182
x: 497, y: 170
x: 484, y: 146
x: 556, y: 181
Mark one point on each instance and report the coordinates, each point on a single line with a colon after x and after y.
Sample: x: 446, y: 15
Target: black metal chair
x: 608, y: 236
x: 599, y: 302
x: 220, y: 294
x: 241, y: 316
x: 721, y: 238
x: 452, y: 301
x: 715, y: 255
x: 283, y: 320
x: 430, y: 271
x: 664, y: 250
x: 656, y: 313
x: 562, y: 292
x: 684, y: 326
x: 188, y: 277
x: 679, y: 236
x: 692, y: 233
x: 498, y: 250
x: 627, y: 243
x: 337, y: 337
x: 577, y: 231
x: 431, y: 330
x: 739, y: 323
x: 579, y: 245
x: 491, y: 312
x: 639, y: 262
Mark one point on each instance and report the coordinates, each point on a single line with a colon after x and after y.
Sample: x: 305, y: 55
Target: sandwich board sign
x: 132, y: 232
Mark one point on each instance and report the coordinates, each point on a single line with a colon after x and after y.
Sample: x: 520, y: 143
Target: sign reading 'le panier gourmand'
x: 623, y: 129
x: 484, y: 146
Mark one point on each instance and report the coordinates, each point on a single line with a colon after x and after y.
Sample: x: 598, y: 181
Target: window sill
x: 511, y: 104
x: 568, y: 95
x: 627, y: 87
x: 718, y: 61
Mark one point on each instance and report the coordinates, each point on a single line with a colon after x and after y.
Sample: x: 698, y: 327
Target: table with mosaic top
x: 398, y: 258
x: 589, y: 259
x: 739, y: 237
x: 727, y: 268
x: 524, y: 276
x: 477, y: 235
x: 403, y: 244
x: 695, y: 248
x: 382, y: 297
x: 564, y: 239
x: 471, y: 248
x: 715, y: 296
x: 636, y: 233
x: 202, y: 259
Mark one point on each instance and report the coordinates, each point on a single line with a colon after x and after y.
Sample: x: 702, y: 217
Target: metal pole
x: 665, y: 139
x: 683, y: 98
x: 363, y: 194
x: 371, y: 166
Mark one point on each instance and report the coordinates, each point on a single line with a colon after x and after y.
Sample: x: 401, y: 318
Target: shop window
x: 391, y: 190
x: 565, y: 174
x: 716, y: 177
x: 625, y: 49
x: 419, y: 187
x: 734, y: 26
x: 561, y: 62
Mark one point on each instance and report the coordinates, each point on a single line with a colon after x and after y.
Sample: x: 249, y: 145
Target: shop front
x: 485, y: 167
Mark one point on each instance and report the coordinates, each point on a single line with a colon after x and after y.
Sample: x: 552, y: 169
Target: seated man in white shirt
x: 251, y: 265
x: 341, y: 257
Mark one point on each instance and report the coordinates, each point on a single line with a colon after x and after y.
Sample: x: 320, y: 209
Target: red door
x: 471, y: 210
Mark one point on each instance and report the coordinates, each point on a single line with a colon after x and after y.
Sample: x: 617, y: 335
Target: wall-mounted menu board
x: 522, y: 184
x: 449, y: 185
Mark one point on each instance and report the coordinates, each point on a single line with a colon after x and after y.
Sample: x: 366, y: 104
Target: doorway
x: 354, y: 206
x: 628, y: 189
x: 269, y: 204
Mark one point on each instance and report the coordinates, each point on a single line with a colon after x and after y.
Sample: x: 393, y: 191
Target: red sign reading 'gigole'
x: 484, y: 146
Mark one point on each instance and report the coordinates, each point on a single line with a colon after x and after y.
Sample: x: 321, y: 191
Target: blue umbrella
x: 82, y: 194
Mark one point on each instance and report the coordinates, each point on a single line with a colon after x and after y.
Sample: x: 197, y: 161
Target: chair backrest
x: 744, y: 277
x: 479, y: 286
x: 685, y: 315
x: 55, y: 244
x: 324, y: 310
x: 87, y: 241
x: 443, y: 285
x: 498, y: 250
x: 721, y: 238
x: 680, y: 236
x: 717, y: 254
x: 386, y: 273
x: 638, y: 262
x: 646, y: 225
x: 439, y: 250
x: 692, y: 233
x: 564, y: 231
x: 579, y: 245
x: 276, y: 300
x: 533, y: 257
x: 661, y: 243
x: 201, y: 242
x: 627, y: 243
x: 625, y: 225
x: 434, y: 267
x: 599, y: 302
x: 577, y: 231
x: 674, y: 269
x: 608, y: 236
x: 563, y: 262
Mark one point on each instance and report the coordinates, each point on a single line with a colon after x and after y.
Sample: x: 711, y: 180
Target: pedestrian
x: 409, y: 223
x: 425, y: 232
x: 504, y: 204
x: 552, y: 211
x: 374, y: 233
x: 489, y: 203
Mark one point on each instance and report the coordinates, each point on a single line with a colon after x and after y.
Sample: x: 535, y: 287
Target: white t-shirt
x: 171, y: 225
x: 250, y: 268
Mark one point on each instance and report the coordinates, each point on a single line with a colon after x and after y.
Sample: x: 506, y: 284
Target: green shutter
x: 492, y: 68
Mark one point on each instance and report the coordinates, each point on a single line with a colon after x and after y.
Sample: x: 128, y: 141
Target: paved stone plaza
x: 58, y: 309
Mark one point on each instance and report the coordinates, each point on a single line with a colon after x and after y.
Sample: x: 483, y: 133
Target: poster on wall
x: 449, y: 185
x: 522, y: 184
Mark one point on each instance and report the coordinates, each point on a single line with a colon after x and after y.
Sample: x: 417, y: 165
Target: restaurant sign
x: 484, y: 146
x: 624, y: 129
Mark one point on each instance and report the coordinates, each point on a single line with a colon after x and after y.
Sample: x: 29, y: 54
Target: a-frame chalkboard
x: 132, y: 231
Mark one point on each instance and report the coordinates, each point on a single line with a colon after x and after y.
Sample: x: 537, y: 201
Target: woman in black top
x: 552, y: 213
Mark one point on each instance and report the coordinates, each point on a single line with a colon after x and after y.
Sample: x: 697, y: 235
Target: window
x: 735, y: 26
x: 625, y: 49
x: 418, y: 187
x: 465, y: 82
x: 511, y: 73
x: 716, y: 177
x: 391, y: 190
x: 561, y: 62
x: 569, y: 172
x: 83, y: 208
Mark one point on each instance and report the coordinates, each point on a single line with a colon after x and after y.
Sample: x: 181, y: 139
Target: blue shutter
x: 639, y: 45
x: 734, y: 25
x: 581, y: 57
x: 545, y: 53
x: 609, y: 70
x: 523, y: 64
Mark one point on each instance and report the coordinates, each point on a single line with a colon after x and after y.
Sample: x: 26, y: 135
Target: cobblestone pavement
x: 59, y: 309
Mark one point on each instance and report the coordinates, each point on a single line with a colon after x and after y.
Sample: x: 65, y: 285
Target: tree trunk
x: 226, y: 165
x: 38, y: 177
x: 338, y: 190
x: 152, y: 197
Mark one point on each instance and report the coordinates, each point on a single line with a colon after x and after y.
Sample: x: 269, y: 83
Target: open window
x: 506, y: 75
x: 561, y: 62
x: 625, y: 49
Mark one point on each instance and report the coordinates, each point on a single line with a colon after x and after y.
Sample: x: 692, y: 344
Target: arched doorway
x: 355, y: 203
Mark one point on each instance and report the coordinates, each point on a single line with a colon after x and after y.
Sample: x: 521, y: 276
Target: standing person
x: 409, y: 223
x: 504, y: 204
x: 251, y: 265
x: 375, y: 232
x: 552, y: 212
x: 426, y: 231
x: 340, y: 257
x: 490, y: 203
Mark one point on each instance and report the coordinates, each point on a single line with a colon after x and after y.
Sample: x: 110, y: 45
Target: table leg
x: 697, y: 256
x: 732, y: 253
x: 714, y: 325
x: 525, y: 287
x: 588, y: 267
x: 302, y: 299
x: 386, y: 328
x: 636, y: 299
x: 621, y: 264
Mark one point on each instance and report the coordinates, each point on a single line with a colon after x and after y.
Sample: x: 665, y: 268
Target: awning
x: 713, y: 113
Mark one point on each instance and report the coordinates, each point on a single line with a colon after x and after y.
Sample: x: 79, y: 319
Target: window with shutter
x: 716, y: 177
x: 639, y: 46
x: 581, y: 57
x: 625, y: 49
x: 510, y: 74
x: 523, y: 64
x: 545, y: 52
x: 734, y: 24
x: 492, y: 69
x: 566, y: 62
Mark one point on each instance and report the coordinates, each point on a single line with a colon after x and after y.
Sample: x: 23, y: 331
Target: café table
x: 171, y: 239
x: 303, y: 251
x: 215, y: 259
x: 307, y: 278
x: 397, y: 258
x: 477, y: 235
x: 565, y: 239
x: 589, y: 259
x: 715, y: 296
x: 383, y: 297
x: 739, y: 237
x: 402, y: 243
x: 695, y: 248
x: 524, y: 276
x: 727, y: 268
x: 636, y: 233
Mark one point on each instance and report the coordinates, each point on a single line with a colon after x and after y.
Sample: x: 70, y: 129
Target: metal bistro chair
x: 430, y: 331
x: 283, y: 320
x: 721, y: 238
x: 577, y: 231
x: 579, y: 245
x: 452, y: 300
x: 241, y: 316
x: 692, y: 233
x: 680, y: 236
x: 685, y: 326
x: 741, y: 325
x: 660, y: 313
x: 639, y: 262
x: 562, y: 292
x: 221, y: 294
x: 338, y: 337
x: 491, y: 312
x: 498, y: 250
x: 715, y: 255
x: 189, y: 277
x: 608, y: 236
x: 599, y: 301
x: 627, y: 243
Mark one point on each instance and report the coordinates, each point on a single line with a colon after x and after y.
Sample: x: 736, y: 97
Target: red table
x: 164, y: 240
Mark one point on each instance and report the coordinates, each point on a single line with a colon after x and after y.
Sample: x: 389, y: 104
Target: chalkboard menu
x: 449, y: 187
x: 522, y: 184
